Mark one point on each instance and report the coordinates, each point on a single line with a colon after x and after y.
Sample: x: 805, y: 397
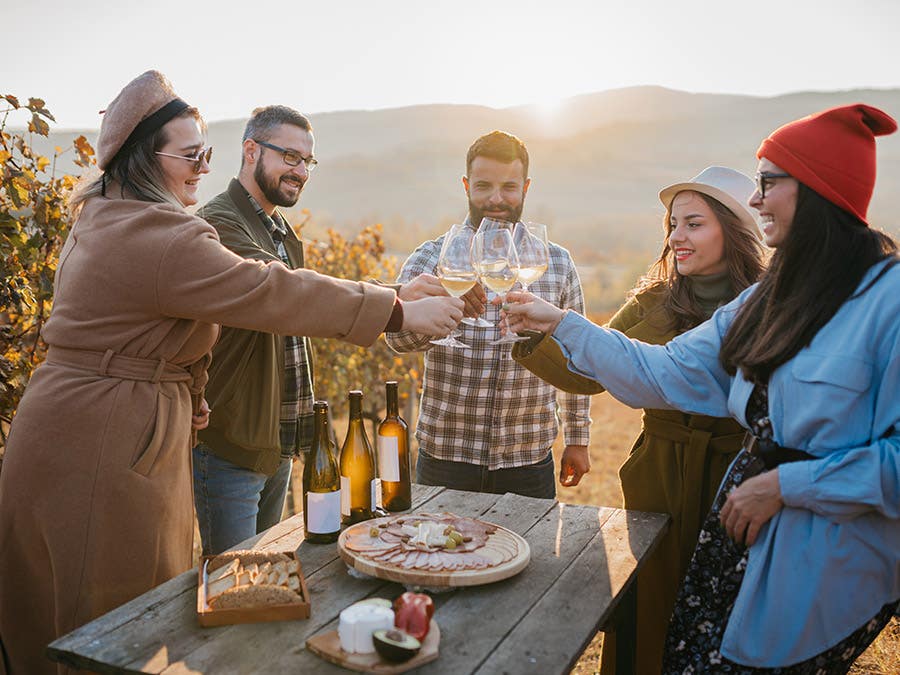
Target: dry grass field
x: 615, y: 426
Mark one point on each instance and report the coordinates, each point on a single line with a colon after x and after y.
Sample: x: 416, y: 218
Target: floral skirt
x: 710, y: 589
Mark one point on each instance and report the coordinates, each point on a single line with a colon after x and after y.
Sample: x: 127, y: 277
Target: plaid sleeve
x: 574, y: 409
x: 423, y: 260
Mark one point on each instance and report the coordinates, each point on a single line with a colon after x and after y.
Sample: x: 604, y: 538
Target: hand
x: 750, y: 506
x: 574, y: 464
x: 475, y: 300
x: 200, y: 420
x: 423, y: 286
x: 525, y: 311
x: 432, y: 316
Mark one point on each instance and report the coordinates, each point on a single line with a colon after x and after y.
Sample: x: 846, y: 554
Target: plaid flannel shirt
x: 479, y: 406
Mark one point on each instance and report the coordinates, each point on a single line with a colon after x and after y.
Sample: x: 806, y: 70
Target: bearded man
x: 487, y: 424
x: 260, y: 385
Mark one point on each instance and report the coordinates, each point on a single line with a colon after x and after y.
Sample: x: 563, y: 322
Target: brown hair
x: 500, y: 146
x: 744, y: 255
x: 136, y: 172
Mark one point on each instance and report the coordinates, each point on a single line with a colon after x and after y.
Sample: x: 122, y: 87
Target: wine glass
x: 486, y: 224
x: 530, y: 240
x: 456, y: 272
x: 498, y: 265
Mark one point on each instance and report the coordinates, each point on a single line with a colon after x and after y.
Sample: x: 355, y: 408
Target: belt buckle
x: 750, y: 443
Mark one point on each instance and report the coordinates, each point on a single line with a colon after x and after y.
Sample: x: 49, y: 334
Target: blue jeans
x: 234, y: 503
x: 531, y: 480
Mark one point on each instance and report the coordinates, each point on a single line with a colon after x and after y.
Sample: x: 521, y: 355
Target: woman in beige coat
x: 95, y: 493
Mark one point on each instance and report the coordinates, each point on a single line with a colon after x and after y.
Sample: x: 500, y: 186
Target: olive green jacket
x: 675, y: 467
x: 246, y: 377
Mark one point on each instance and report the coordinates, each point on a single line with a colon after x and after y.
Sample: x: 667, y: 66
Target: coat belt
x: 110, y: 364
x: 695, y: 439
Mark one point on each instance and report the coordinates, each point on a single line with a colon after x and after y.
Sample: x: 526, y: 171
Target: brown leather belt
x: 110, y: 364
x: 771, y: 453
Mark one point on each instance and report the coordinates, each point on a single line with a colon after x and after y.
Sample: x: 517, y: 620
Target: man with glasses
x: 260, y: 385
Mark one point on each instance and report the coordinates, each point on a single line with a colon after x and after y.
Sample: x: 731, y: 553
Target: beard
x: 508, y: 213
x: 272, y: 188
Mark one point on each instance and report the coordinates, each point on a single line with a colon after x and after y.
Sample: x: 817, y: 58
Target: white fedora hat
x: 730, y: 187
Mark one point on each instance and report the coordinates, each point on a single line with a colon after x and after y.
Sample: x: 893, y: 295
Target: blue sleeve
x: 684, y: 374
x: 849, y: 482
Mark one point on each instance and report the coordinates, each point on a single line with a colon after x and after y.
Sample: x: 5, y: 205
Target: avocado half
x: 395, y: 645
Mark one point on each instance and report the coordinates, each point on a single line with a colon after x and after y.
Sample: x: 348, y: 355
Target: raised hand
x: 525, y: 311
x: 476, y: 301
x: 432, y: 316
x: 423, y: 286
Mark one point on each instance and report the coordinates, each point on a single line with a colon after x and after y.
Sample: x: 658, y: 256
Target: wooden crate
x: 207, y: 616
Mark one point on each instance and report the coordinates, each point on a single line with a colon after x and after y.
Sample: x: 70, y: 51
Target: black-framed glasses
x: 203, y: 155
x: 762, y: 179
x: 291, y: 157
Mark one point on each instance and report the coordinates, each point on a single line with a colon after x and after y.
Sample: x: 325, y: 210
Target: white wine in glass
x: 530, y: 240
x: 456, y: 272
x: 498, y: 265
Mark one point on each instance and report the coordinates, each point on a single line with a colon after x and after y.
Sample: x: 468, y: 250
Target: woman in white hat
x: 95, y: 494
x: 797, y: 566
x: 712, y: 251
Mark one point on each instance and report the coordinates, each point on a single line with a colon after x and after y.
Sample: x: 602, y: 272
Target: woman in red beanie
x: 797, y: 568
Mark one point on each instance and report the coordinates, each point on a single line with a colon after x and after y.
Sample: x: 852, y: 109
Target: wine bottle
x: 357, y: 468
x: 321, y: 483
x: 393, y: 455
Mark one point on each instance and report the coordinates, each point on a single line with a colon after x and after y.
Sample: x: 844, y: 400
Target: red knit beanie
x: 833, y: 153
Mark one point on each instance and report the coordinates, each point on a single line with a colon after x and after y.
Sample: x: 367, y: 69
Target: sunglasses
x: 290, y: 157
x: 762, y: 181
x: 203, y: 155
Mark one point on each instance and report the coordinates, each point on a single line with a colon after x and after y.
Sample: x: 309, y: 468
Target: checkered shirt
x: 296, y: 428
x: 478, y: 405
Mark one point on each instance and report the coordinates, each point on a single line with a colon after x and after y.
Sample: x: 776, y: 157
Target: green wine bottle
x: 321, y: 483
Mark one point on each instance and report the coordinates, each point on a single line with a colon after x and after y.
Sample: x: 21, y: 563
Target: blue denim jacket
x: 830, y: 559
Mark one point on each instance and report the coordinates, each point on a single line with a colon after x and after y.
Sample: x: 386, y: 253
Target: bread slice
x: 247, y: 557
x: 254, y: 596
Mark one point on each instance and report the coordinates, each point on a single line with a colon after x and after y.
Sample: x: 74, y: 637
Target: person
x: 486, y: 424
x: 809, y: 361
x: 260, y: 384
x: 95, y: 493
x: 712, y: 251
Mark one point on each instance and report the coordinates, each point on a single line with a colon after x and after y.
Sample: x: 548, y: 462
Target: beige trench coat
x: 95, y: 493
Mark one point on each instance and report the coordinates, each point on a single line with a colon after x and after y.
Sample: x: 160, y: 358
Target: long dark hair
x: 744, y: 256
x: 820, y: 264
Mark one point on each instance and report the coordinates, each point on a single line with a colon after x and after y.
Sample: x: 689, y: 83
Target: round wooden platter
x: 438, y: 578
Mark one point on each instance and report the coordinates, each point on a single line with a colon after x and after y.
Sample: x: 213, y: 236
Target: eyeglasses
x: 203, y: 155
x: 763, y: 178
x: 291, y: 157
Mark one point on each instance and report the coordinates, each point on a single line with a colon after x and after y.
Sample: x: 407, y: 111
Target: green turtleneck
x: 712, y: 291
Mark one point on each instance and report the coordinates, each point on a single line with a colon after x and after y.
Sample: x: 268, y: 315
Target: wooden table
x: 582, y: 571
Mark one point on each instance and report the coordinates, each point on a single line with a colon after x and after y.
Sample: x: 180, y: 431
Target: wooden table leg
x: 626, y: 632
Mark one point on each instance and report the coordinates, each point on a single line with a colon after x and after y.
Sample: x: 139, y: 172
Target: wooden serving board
x: 439, y: 578
x: 328, y: 646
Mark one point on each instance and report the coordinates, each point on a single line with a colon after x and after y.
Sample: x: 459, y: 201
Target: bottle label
x: 324, y: 511
x: 345, y: 496
x: 376, y: 493
x: 389, y: 458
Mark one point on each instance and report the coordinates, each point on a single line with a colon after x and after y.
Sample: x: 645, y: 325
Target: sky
x: 324, y: 55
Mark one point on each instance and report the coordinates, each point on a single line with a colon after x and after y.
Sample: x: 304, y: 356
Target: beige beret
x: 142, y: 107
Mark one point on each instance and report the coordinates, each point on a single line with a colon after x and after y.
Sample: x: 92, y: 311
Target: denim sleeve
x: 684, y: 374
